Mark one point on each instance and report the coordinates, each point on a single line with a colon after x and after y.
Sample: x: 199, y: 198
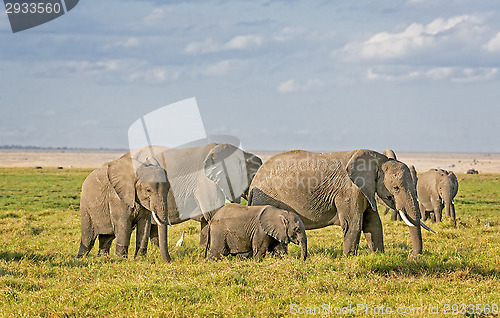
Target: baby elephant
x: 236, y: 229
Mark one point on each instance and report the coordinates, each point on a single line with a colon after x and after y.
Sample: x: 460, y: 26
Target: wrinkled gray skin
x: 436, y: 189
x: 237, y: 229
x: 199, y: 188
x: 115, y: 199
x: 339, y: 188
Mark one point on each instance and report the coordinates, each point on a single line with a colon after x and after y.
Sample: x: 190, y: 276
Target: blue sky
x: 411, y: 75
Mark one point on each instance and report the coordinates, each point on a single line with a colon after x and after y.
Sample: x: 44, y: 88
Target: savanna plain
x: 40, y: 276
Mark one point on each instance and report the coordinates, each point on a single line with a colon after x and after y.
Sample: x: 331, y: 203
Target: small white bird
x: 181, y: 240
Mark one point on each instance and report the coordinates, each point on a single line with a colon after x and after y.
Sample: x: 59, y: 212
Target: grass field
x: 40, y: 276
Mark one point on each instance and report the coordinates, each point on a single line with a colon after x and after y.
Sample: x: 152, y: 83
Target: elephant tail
x: 207, y: 245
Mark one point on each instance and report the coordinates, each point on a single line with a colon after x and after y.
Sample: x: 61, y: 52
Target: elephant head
x: 144, y: 184
x: 284, y: 226
x: 374, y: 173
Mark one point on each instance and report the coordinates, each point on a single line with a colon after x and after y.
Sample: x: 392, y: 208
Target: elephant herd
x: 151, y: 188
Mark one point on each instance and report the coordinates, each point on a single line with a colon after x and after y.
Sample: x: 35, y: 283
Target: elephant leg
x: 260, y: 248
x: 437, y: 214
x: 105, y: 241
x: 88, y: 236
x: 142, y: 236
x: 423, y: 213
x: 278, y: 249
x: 203, y: 232
x: 153, y: 235
x: 123, y: 232
x: 351, y: 219
x: 217, y: 248
x: 372, y: 227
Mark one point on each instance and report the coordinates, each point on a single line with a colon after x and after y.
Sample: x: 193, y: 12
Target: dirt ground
x: 457, y: 162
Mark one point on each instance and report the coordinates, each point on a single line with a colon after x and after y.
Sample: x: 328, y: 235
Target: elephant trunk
x: 162, y: 240
x: 162, y: 221
x: 412, y: 212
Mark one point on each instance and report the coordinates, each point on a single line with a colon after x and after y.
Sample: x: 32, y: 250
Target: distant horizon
x: 64, y: 148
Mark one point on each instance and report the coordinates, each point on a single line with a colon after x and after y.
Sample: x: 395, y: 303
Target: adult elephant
x: 339, y: 188
x: 116, y: 198
x: 436, y: 189
x: 201, y: 180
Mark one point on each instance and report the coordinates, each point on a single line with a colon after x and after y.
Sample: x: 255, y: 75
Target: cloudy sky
x: 411, y: 75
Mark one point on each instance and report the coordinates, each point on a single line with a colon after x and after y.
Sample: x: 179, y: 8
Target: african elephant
x: 115, y: 199
x: 237, y: 229
x: 436, y: 189
x: 339, y: 188
x: 201, y: 180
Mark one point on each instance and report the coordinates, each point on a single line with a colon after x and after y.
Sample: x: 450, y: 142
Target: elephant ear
x: 363, y: 169
x: 225, y: 165
x: 274, y: 223
x: 122, y: 178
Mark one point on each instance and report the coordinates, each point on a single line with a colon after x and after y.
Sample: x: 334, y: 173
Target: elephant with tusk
x: 339, y: 188
x: 154, y: 187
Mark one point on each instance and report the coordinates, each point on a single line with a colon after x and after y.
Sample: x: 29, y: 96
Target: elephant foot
x: 121, y: 251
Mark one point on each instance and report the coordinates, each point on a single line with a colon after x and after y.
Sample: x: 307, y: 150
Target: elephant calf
x: 237, y: 229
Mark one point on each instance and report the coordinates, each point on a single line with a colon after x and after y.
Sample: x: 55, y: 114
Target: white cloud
x: 452, y: 74
x: 288, y: 86
x: 240, y: 42
x: 113, y: 70
x: 289, y: 33
x: 385, y: 45
x: 156, y: 15
x: 493, y: 45
x: 124, y: 43
x: 206, y: 46
x: 292, y: 85
x: 222, y: 68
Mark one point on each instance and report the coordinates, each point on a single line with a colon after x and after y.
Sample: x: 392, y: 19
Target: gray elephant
x: 436, y: 189
x: 115, y: 199
x: 339, y: 188
x: 237, y: 229
x: 198, y: 179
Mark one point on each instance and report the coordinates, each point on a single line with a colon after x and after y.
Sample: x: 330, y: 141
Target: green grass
x: 40, y: 276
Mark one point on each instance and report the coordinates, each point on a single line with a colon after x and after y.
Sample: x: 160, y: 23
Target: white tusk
x: 426, y: 227
x: 403, y: 216
x: 157, y: 220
